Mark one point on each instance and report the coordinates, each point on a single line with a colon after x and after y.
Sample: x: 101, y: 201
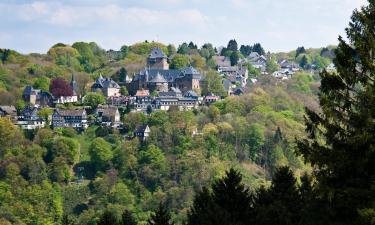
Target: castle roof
x: 157, y: 53
x: 158, y: 79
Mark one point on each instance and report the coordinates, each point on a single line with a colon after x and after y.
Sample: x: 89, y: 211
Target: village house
x: 158, y: 77
x: 221, y: 61
x: 75, y: 118
x: 8, y: 111
x: 29, y: 119
x: 37, y: 97
x: 108, y: 116
x: 68, y: 99
x: 210, y: 98
x: 258, y: 61
x: 108, y: 86
x: 142, y: 132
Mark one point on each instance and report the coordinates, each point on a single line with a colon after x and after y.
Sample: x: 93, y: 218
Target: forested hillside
x: 48, y: 174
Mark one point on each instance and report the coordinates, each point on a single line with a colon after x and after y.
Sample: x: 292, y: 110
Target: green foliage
x: 161, y: 216
x: 42, y: 83
x: 339, y: 143
x: 144, y: 48
x: 179, y: 61
x: 212, y: 83
x: 93, y: 99
x: 100, y: 153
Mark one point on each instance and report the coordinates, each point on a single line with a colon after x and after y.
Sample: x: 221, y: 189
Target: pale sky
x: 279, y: 25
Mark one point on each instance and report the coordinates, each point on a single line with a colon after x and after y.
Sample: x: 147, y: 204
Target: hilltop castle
x: 158, y: 77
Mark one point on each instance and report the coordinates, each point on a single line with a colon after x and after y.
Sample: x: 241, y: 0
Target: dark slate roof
x: 158, y: 79
x: 9, y: 109
x: 29, y: 90
x: 70, y: 112
x: 190, y: 70
x: 173, y: 92
x: 29, y: 111
x: 109, y: 83
x: 191, y: 93
x: 169, y: 75
x: 157, y: 53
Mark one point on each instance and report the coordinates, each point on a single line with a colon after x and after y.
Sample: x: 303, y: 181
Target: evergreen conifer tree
x: 107, y: 218
x: 341, y: 138
x: 127, y: 218
x: 161, y: 216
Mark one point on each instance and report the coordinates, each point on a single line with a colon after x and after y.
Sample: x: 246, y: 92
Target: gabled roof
x: 158, y: 79
x: 157, y: 53
x: 109, y: 83
x: 142, y: 128
x: 30, y: 90
x: 70, y: 112
x: 190, y: 70
x: 108, y: 111
x: 30, y: 111
x: 142, y: 93
x: 9, y: 109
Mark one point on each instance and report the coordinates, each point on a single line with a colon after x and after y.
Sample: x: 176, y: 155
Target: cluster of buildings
x: 156, y: 87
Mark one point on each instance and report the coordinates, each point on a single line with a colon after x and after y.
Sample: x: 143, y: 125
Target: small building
x: 210, y: 98
x: 75, y: 118
x: 68, y: 99
x: 142, y: 132
x: 108, y: 86
x: 29, y: 119
x: 8, y: 111
x: 37, y: 97
x: 221, y: 61
x: 108, y: 116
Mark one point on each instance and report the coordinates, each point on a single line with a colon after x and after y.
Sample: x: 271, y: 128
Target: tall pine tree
x: 227, y: 204
x: 341, y: 141
x: 161, y: 216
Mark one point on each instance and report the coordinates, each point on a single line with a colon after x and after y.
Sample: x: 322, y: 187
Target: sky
x: 279, y: 25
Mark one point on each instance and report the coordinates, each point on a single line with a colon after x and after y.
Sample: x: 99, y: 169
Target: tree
x: 120, y: 75
x: 42, y: 83
x: 93, y: 99
x: 192, y: 45
x: 229, y: 202
x: 281, y: 204
x: 234, y: 57
x: 149, y: 109
x: 179, y: 61
x: 124, y: 91
x: 161, y: 216
x: 127, y: 218
x: 59, y: 87
x: 212, y: 83
x: 100, y: 153
x: 303, y: 63
x: 258, y: 48
x: 183, y: 49
x: 340, y: 138
x: 171, y: 50
x: 300, y: 50
x: 124, y: 51
x: 107, y: 218
x: 246, y: 50
x: 232, y: 45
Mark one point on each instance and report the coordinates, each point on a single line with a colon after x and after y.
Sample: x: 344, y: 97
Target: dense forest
x: 297, y: 151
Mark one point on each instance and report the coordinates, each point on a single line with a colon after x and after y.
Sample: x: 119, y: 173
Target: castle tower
x: 157, y: 60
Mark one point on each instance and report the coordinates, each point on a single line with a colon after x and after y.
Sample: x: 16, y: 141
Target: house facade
x: 75, y: 118
x: 37, y: 96
x: 68, y: 99
x: 29, y: 119
x: 108, y: 86
x: 108, y: 116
